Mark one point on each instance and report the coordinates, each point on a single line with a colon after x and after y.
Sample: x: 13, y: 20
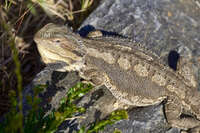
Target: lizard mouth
x: 52, y: 55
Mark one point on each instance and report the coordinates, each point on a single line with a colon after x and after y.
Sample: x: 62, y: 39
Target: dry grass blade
x: 62, y: 8
x: 86, y: 4
x: 51, y: 8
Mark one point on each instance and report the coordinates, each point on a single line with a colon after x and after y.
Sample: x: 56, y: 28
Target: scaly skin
x: 133, y: 74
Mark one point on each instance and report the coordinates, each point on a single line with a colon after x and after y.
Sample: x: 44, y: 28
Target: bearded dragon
x: 134, y: 75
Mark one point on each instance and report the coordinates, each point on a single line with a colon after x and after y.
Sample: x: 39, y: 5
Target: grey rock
x: 57, y: 82
x: 159, y: 24
x: 142, y: 120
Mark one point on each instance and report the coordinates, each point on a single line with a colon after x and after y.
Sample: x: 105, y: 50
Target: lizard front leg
x: 173, y: 110
x: 92, y: 75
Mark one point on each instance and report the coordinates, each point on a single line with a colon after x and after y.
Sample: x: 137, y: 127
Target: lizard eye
x: 57, y: 41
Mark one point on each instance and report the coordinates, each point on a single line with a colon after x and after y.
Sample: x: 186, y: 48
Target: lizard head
x: 59, y: 43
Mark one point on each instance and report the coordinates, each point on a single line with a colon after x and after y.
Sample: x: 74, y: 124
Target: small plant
x: 67, y: 108
x: 112, y: 118
x: 36, y: 121
x: 117, y: 131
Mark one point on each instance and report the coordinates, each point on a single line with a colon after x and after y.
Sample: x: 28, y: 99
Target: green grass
x: 18, y: 118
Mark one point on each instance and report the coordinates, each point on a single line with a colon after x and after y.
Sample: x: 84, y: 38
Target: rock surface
x: 161, y: 25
